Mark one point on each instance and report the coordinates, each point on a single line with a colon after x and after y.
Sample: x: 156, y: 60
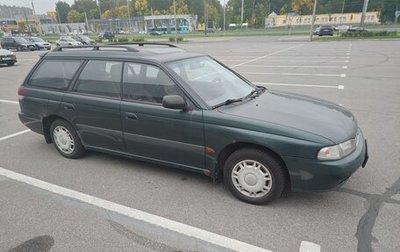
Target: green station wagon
x: 165, y: 105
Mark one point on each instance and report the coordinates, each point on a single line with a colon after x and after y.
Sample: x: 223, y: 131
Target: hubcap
x: 63, y: 139
x: 251, y: 178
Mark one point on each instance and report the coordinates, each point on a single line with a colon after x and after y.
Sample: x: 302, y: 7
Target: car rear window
x: 55, y: 74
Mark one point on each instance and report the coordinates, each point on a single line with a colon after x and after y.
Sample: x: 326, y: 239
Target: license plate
x: 8, y: 58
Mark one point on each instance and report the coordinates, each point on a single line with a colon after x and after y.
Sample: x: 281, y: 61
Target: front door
x: 151, y: 131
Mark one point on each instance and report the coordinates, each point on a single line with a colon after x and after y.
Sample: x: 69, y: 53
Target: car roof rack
x: 143, y: 44
x: 96, y: 47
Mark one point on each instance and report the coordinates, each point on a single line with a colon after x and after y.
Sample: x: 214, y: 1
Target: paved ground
x: 364, y: 215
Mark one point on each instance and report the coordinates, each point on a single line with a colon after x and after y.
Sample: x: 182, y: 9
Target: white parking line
x: 312, y: 57
x: 14, y: 135
x: 158, y: 221
x: 267, y: 55
x: 293, y: 66
x: 307, y: 246
x: 340, y: 87
x: 297, y: 74
x: 8, y: 101
x: 289, y: 60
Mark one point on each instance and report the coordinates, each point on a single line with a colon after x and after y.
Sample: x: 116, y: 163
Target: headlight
x: 339, y: 151
x: 11, y: 53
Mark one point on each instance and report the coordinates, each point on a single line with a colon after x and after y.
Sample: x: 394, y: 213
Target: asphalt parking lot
x: 363, y: 215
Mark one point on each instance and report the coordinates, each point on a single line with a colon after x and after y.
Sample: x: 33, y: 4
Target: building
x: 274, y: 20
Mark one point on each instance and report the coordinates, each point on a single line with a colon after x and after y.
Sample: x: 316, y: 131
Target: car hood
x: 304, y: 113
x: 5, y: 52
x: 42, y: 43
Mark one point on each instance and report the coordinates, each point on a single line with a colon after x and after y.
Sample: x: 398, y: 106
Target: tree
x: 107, y: 14
x: 82, y: 6
x: 62, y: 9
x: 141, y: 6
x: 122, y: 11
x: 74, y: 16
x: 181, y: 7
x: 302, y: 7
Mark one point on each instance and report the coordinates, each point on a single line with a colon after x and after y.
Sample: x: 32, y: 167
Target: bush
x: 99, y: 40
x: 369, y: 34
x: 178, y: 39
x: 123, y: 39
x: 140, y: 39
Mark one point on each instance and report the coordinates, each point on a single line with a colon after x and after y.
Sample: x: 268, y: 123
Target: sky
x: 41, y: 6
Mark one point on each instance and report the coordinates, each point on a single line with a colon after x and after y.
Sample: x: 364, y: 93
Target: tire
x: 10, y: 63
x: 254, y: 176
x: 66, y: 140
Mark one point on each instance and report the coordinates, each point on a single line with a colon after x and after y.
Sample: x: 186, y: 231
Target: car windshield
x: 69, y: 39
x: 21, y: 40
x: 214, y: 83
x: 37, y: 39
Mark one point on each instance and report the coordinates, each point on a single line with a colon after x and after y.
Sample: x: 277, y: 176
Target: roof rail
x: 96, y: 47
x: 143, y: 43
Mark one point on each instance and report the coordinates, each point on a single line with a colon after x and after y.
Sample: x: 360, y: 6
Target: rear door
x: 152, y: 131
x: 94, y: 105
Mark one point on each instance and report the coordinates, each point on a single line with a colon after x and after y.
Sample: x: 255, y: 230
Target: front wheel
x: 254, y: 176
x: 66, y: 139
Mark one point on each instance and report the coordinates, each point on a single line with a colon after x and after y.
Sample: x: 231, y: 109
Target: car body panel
x: 96, y: 119
x: 153, y: 131
x: 16, y: 43
x: 7, y: 57
x: 292, y: 127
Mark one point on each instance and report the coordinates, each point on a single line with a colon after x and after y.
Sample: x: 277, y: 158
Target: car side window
x: 100, y: 78
x: 56, y: 74
x: 148, y: 83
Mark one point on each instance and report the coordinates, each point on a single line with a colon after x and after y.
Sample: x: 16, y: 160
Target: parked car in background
x: 106, y: 35
x: 85, y: 40
x: 7, y: 57
x: 356, y: 30
x: 323, y: 30
x: 187, y: 110
x: 18, y: 43
x: 67, y: 41
x: 155, y: 33
x: 39, y: 43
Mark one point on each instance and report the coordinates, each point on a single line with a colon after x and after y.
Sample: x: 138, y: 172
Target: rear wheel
x: 66, y: 139
x: 254, y: 176
x: 10, y: 63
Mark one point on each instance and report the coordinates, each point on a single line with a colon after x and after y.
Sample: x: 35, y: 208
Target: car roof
x: 156, y: 53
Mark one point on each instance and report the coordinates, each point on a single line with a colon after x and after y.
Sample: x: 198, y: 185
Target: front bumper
x: 6, y: 59
x: 317, y: 175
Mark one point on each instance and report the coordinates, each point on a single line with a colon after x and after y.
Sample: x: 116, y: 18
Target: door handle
x: 68, y: 106
x: 131, y: 116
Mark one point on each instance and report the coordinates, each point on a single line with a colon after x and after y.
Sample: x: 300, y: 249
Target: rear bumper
x: 317, y: 175
x: 33, y: 123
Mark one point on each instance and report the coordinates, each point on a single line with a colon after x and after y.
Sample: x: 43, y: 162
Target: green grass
x: 276, y: 31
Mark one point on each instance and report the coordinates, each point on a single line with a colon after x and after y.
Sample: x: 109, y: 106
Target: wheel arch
x: 47, y: 121
x: 231, y: 148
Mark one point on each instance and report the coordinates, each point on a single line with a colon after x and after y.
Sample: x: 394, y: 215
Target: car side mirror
x: 174, y: 102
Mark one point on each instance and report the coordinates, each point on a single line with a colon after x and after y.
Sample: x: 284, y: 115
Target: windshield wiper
x: 256, y: 92
x: 227, y: 102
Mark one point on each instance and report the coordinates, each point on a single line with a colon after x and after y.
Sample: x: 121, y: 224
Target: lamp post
x: 129, y: 16
x: 313, y: 19
x: 176, y: 30
x: 224, y: 15
x: 241, y: 23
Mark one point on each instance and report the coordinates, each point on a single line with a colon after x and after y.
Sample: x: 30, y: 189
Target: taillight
x: 21, y: 92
